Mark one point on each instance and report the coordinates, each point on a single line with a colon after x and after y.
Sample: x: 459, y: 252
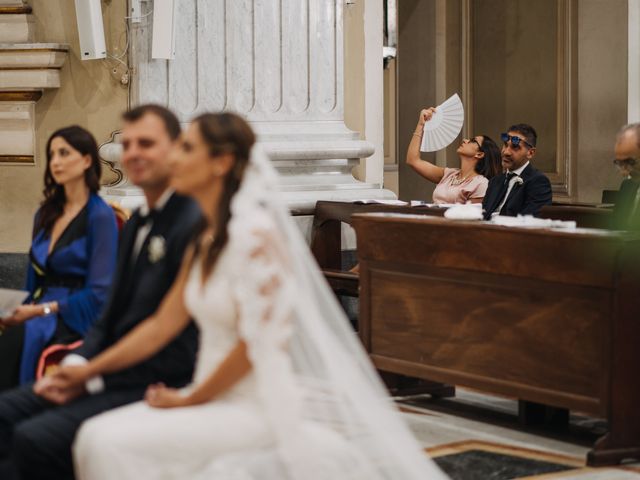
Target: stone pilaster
x: 278, y: 63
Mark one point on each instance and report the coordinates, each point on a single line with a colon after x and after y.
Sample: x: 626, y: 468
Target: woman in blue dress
x: 73, y: 251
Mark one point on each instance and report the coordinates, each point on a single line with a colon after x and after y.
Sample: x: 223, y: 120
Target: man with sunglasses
x: 520, y: 189
x: 627, y: 150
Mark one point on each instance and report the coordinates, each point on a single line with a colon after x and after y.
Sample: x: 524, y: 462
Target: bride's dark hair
x: 224, y: 133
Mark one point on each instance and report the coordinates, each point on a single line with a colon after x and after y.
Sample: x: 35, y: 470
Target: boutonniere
x: 156, y: 249
x: 517, y: 181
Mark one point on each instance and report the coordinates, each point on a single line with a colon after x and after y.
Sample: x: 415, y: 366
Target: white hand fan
x: 444, y: 126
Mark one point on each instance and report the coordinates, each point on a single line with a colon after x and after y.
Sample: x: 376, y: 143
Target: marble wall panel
x: 268, y: 56
x: 323, y: 52
x: 211, y: 74
x: 150, y: 79
x: 271, y: 60
x: 239, y: 46
x: 183, y: 70
x: 295, y: 61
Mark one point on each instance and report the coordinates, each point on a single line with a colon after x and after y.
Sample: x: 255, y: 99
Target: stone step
x: 16, y: 22
x: 17, y: 28
x: 21, y: 56
x: 32, y: 66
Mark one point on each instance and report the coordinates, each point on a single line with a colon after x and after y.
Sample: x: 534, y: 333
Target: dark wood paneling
x: 494, y: 328
x: 26, y: 159
x: 20, y: 96
x: 15, y: 10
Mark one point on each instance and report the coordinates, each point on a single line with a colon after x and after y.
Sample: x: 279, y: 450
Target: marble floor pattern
x: 489, y: 420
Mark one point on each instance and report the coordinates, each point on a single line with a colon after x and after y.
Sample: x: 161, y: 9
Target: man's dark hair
x: 171, y: 123
x: 528, y: 131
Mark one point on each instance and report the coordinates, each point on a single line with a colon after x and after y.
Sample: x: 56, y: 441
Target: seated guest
x: 521, y: 189
x: 627, y: 150
x: 73, y: 251
x: 479, y: 161
x: 35, y: 433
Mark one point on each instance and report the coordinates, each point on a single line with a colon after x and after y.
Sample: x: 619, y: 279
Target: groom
x: 36, y: 431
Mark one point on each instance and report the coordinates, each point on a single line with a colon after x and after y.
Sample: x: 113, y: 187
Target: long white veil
x: 332, y: 415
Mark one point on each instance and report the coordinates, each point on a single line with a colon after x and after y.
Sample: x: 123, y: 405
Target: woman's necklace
x: 457, y: 180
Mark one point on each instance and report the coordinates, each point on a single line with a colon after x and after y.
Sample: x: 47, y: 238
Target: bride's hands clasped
x: 161, y: 396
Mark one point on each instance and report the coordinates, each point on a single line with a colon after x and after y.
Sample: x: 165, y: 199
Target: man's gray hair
x: 631, y: 126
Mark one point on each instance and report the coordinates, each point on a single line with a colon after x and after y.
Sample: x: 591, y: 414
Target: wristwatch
x: 46, y: 309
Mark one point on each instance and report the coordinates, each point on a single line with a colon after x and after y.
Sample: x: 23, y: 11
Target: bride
x: 282, y: 389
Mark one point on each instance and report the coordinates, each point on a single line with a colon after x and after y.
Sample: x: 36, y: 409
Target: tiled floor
x: 473, y: 416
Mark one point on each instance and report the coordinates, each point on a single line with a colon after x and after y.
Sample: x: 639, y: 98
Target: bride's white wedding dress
x: 312, y: 407
x: 138, y: 441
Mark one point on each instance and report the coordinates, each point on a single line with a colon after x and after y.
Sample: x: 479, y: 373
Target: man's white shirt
x: 512, y: 182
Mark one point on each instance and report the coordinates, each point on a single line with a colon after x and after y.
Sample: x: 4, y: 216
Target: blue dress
x: 77, y: 274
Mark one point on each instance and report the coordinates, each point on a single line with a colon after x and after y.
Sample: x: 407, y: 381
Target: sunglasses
x: 625, y: 162
x: 515, y: 141
x: 473, y: 140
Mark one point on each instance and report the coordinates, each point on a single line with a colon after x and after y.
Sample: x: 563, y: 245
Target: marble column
x: 277, y: 62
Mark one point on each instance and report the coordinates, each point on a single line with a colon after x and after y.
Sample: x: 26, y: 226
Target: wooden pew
x: 326, y: 230
x: 326, y: 238
x: 544, y: 316
x: 584, y: 216
x: 328, y: 216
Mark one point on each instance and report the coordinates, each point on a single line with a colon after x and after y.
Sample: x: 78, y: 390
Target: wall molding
x: 17, y: 159
x: 633, y: 102
x: 563, y: 176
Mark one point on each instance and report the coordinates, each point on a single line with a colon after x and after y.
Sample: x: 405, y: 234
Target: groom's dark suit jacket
x: 524, y: 199
x: 138, y: 289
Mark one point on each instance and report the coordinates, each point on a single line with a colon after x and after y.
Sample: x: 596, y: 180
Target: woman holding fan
x: 479, y: 161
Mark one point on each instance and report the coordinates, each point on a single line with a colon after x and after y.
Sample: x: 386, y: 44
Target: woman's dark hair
x: 224, y: 133
x: 491, y: 164
x: 54, y: 197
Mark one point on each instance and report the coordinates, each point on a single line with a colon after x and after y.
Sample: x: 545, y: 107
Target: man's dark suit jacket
x: 524, y: 199
x: 625, y: 201
x: 138, y: 290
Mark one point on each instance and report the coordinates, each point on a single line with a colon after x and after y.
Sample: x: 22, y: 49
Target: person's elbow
x: 414, y: 163
x: 410, y: 160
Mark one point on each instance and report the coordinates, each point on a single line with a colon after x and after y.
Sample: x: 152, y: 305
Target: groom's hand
x: 49, y: 389
x: 64, y: 385
x: 70, y: 377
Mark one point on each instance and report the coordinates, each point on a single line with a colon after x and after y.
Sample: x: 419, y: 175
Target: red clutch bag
x: 52, y: 356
